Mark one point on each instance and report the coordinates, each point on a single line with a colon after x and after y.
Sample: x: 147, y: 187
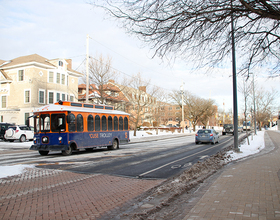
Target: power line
x: 131, y: 60
x: 128, y: 74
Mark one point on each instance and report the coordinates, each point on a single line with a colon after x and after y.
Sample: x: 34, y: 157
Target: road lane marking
x: 175, y: 161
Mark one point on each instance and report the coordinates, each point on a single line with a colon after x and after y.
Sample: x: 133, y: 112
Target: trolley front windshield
x: 49, y: 122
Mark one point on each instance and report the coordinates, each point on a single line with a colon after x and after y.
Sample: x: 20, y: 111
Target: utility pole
x: 183, y: 120
x: 87, y: 85
x: 255, y: 122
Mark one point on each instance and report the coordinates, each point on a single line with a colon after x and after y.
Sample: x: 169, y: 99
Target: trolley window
x: 121, y: 123
x: 110, y: 123
x: 58, y: 122
x: 116, y: 123
x: 45, y: 122
x: 104, y: 123
x: 90, y: 123
x: 71, y: 122
x: 97, y: 123
x: 80, y: 123
x: 125, y: 123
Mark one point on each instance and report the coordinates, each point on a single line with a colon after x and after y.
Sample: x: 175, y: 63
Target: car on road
x: 3, y: 127
x: 21, y: 133
x: 228, y: 129
x: 207, y: 136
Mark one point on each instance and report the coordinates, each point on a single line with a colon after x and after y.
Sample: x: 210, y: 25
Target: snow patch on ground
x: 6, y: 171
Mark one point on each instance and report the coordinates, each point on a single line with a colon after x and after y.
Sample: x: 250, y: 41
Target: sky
x: 59, y: 28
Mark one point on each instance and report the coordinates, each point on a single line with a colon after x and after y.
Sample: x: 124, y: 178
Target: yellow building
x: 29, y: 82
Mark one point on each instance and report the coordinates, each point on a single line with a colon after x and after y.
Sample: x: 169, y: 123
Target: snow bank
x: 255, y: 145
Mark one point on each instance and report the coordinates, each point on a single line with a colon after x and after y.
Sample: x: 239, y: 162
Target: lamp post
x: 234, y: 81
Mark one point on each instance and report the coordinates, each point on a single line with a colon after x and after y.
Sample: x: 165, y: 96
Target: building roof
x: 94, y: 92
x: 27, y: 59
x: 2, y: 61
x: 33, y: 58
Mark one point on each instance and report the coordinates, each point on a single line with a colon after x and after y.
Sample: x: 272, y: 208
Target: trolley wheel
x: 67, y: 152
x: 43, y: 153
x: 114, y: 146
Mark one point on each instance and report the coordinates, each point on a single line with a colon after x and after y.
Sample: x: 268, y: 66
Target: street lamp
x: 234, y: 81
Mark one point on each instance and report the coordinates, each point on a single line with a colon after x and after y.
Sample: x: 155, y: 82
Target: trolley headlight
x: 45, y: 140
x: 60, y: 138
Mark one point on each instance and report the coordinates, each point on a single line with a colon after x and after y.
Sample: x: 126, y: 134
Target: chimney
x: 69, y: 63
x: 112, y: 81
x: 142, y: 88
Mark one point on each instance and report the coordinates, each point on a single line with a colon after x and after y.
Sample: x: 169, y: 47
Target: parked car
x: 207, y: 136
x: 228, y: 129
x: 4, y: 126
x: 240, y: 129
x: 21, y: 133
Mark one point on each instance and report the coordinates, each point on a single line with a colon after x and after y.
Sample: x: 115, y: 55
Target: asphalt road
x: 159, y: 159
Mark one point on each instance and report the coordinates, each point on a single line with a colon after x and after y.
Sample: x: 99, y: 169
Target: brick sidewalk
x: 249, y: 189
x: 52, y: 194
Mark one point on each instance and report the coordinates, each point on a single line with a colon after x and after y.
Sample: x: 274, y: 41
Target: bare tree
x: 142, y: 99
x: 264, y: 106
x: 197, y: 109
x: 210, y: 112
x: 245, y: 88
x: 100, y: 72
x: 160, y: 102
x: 202, y: 29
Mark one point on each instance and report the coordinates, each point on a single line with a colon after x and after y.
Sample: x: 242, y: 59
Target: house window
x: 50, y: 97
x: 60, y: 63
x: 63, y: 96
x: 57, y: 97
x: 20, y: 75
x: 58, y: 78
x: 41, y: 97
x: 26, y: 118
x: 51, y: 77
x: 4, y: 101
x: 71, y: 98
x: 170, y: 108
x: 63, y: 79
x: 27, y: 96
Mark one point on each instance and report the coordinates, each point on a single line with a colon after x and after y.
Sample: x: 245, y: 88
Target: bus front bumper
x: 45, y: 147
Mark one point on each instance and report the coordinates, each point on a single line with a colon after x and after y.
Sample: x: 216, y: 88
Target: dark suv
x: 228, y: 129
x: 3, y: 128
